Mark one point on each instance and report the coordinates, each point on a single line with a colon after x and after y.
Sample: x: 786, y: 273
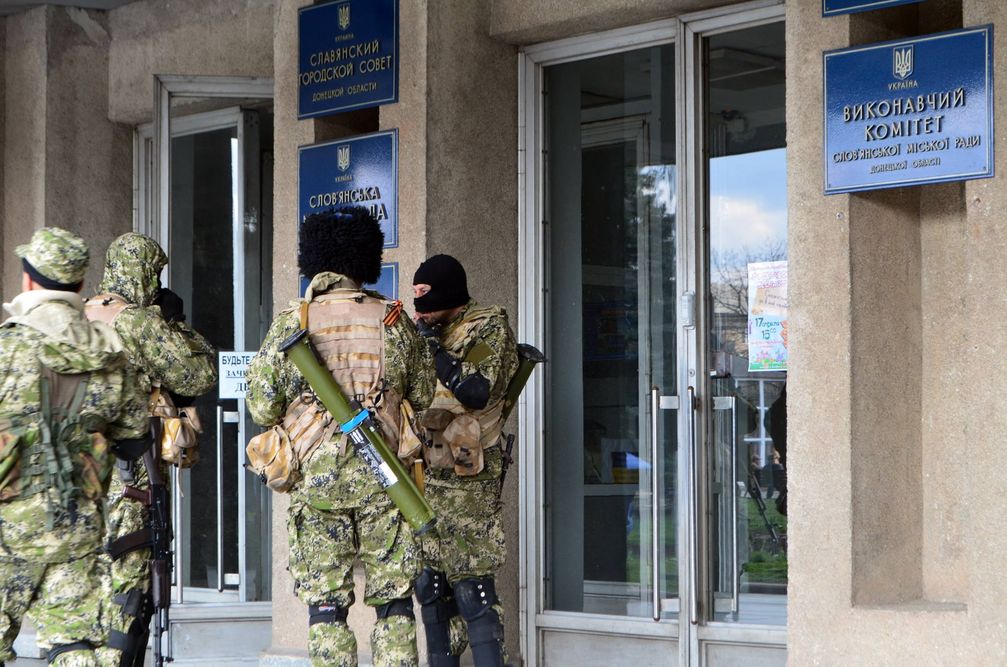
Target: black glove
x: 172, y: 308
x: 431, y: 333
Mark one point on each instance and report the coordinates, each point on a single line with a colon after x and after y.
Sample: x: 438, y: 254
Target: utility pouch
x: 10, y: 465
x: 436, y: 450
x: 409, y: 442
x: 271, y: 457
x: 462, y: 436
x: 180, y: 429
x: 308, y: 425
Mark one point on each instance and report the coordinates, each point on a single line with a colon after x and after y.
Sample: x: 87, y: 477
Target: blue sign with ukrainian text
x: 387, y: 285
x: 359, y: 171
x: 836, y: 7
x: 348, y: 56
x: 909, y: 111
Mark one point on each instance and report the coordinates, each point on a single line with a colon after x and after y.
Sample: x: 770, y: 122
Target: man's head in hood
x: 133, y: 266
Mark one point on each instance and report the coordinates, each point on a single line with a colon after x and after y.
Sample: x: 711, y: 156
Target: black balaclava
x: 448, y: 285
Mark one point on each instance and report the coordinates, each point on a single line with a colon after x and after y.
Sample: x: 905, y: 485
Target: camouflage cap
x: 56, y: 254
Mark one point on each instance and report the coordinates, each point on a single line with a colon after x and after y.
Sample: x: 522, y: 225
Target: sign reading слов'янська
x: 358, y: 171
x: 837, y: 7
x: 909, y: 112
x: 348, y: 56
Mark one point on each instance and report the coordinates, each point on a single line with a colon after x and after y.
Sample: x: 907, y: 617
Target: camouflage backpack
x: 56, y: 451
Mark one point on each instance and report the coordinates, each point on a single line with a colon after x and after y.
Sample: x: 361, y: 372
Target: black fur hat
x: 346, y: 240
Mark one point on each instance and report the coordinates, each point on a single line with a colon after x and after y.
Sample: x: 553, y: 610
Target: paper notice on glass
x: 767, y: 316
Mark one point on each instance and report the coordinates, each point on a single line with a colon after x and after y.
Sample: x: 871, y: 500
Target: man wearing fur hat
x: 174, y: 363
x: 338, y: 510
x: 475, y: 357
x: 64, y: 387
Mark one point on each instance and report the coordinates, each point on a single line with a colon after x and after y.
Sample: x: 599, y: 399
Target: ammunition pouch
x: 326, y: 613
x: 399, y: 607
x: 180, y: 429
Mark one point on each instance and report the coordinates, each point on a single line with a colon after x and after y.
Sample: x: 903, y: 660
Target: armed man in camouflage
x: 167, y: 354
x: 338, y: 510
x: 475, y: 357
x: 64, y: 387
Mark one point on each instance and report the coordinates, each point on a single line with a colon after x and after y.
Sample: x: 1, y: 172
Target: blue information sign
x: 836, y: 7
x: 909, y: 112
x: 348, y: 56
x: 359, y: 171
x: 387, y: 285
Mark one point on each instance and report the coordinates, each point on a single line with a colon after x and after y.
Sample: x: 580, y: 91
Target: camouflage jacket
x: 499, y: 366
x: 274, y: 382
x: 170, y: 353
x: 48, y: 328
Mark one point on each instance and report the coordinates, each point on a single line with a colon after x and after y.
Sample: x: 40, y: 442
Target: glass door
x: 204, y: 181
x: 655, y: 231
x: 746, y: 299
x: 611, y: 468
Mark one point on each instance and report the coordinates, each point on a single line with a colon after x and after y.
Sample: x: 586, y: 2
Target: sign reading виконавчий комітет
x: 837, y: 7
x: 348, y: 56
x: 909, y: 112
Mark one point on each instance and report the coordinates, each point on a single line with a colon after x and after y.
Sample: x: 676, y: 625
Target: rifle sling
x: 139, y: 539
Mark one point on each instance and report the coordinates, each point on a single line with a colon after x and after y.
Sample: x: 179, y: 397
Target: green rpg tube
x: 362, y: 432
x: 529, y: 356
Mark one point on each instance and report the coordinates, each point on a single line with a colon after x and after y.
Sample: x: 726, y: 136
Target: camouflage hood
x: 72, y: 343
x: 133, y: 265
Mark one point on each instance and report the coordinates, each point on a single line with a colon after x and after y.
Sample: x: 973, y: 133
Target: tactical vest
x: 441, y: 419
x: 54, y: 451
x: 347, y: 330
x: 105, y: 307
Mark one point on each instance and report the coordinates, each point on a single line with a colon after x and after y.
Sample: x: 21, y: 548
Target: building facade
x: 640, y: 184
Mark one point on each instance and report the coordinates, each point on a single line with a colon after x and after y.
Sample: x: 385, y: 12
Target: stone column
x: 67, y: 164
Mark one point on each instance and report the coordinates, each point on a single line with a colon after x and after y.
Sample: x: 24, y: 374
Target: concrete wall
x: 194, y: 37
x: 531, y: 21
x: 894, y: 415
x: 66, y: 163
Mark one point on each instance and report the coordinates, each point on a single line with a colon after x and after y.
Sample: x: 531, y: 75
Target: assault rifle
x: 528, y: 357
x: 157, y: 536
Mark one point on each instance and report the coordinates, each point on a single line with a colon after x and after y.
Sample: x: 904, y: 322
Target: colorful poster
x: 767, y: 316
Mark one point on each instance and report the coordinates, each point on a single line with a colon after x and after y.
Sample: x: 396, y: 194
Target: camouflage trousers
x: 131, y: 571
x: 324, y: 544
x: 52, y: 577
x: 469, y: 540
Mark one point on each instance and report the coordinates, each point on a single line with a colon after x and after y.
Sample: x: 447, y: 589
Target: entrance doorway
x: 205, y: 194
x: 654, y: 526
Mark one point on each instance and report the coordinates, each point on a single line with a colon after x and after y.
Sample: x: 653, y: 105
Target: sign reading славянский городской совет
x: 909, y: 112
x: 348, y: 56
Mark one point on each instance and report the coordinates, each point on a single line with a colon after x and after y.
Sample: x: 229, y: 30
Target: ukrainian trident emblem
x: 343, y: 157
x: 344, y: 16
x: 902, y: 62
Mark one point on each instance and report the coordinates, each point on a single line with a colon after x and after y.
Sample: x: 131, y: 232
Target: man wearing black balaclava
x: 475, y: 357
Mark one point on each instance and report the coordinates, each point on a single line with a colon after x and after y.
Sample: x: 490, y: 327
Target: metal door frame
x: 151, y: 216
x: 686, y: 33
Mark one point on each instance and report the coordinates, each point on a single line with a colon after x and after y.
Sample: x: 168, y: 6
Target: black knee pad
x: 430, y: 585
x: 475, y: 597
x: 56, y: 651
x: 329, y: 612
x: 399, y: 607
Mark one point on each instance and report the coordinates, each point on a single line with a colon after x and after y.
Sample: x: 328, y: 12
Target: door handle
x: 655, y: 515
x: 731, y: 403
x: 694, y: 490
x: 220, y: 498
